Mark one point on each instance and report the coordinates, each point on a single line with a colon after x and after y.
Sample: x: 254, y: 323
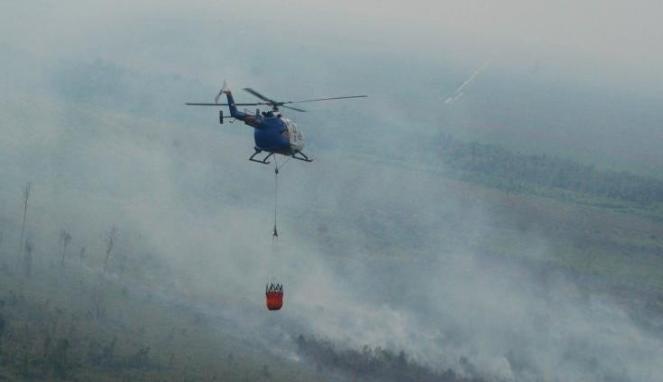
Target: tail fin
x: 231, y: 103
x: 224, y: 90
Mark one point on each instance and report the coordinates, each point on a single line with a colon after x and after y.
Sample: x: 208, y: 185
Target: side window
x: 294, y: 134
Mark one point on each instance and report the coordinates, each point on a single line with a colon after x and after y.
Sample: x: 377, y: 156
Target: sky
x: 606, y: 37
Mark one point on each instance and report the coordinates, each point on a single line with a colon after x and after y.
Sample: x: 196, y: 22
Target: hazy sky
x: 611, y: 38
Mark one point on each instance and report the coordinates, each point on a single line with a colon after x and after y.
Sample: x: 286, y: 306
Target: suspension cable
x: 284, y: 163
x: 275, y: 234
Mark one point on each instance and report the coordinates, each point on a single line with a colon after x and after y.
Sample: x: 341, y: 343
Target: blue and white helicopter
x: 273, y: 133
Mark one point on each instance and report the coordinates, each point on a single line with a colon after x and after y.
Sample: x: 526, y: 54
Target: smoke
x: 432, y: 291
x: 460, y: 91
x: 372, y: 252
x: 376, y: 246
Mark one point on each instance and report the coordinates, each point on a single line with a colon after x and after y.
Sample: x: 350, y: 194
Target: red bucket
x: 274, y: 297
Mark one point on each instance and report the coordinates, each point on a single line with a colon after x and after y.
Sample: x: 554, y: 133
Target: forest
x: 514, y: 172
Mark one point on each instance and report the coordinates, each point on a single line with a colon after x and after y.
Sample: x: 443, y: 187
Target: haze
x: 383, y: 244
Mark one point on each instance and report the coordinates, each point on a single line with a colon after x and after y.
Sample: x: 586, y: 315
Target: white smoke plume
x: 460, y: 90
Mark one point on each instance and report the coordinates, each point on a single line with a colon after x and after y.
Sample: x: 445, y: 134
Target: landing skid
x: 263, y: 160
x: 303, y: 157
x: 298, y: 155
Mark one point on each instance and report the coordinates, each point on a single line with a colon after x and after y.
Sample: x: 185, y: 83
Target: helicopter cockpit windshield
x: 296, y: 136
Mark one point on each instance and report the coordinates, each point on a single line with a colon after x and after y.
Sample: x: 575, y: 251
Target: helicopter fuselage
x: 277, y: 134
x: 273, y: 132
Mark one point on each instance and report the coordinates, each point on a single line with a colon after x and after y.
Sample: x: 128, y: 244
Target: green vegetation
x: 543, y: 175
x: 72, y: 323
x: 603, y: 224
x: 608, y: 241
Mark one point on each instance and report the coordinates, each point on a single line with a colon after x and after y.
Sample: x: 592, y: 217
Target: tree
x: 27, y: 259
x: 3, y: 326
x: 26, y: 198
x: 59, y: 358
x: 111, y: 237
x: 82, y: 254
x: 3, y: 265
x: 65, y: 238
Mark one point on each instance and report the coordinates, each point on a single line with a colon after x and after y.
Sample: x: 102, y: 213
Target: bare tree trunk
x: 81, y: 255
x: 27, y: 259
x: 110, y: 241
x: 66, y: 238
x: 26, y: 195
x: 3, y: 265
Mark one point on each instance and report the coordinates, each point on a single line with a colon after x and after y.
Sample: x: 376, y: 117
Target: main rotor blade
x: 262, y: 97
x: 293, y: 108
x: 225, y: 104
x: 325, y: 99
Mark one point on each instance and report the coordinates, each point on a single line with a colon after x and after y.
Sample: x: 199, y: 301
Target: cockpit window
x: 294, y: 134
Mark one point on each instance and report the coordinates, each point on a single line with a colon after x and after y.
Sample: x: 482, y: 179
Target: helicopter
x: 273, y: 133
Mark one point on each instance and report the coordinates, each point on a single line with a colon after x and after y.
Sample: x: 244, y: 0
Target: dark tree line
x: 513, y: 171
x: 371, y: 364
